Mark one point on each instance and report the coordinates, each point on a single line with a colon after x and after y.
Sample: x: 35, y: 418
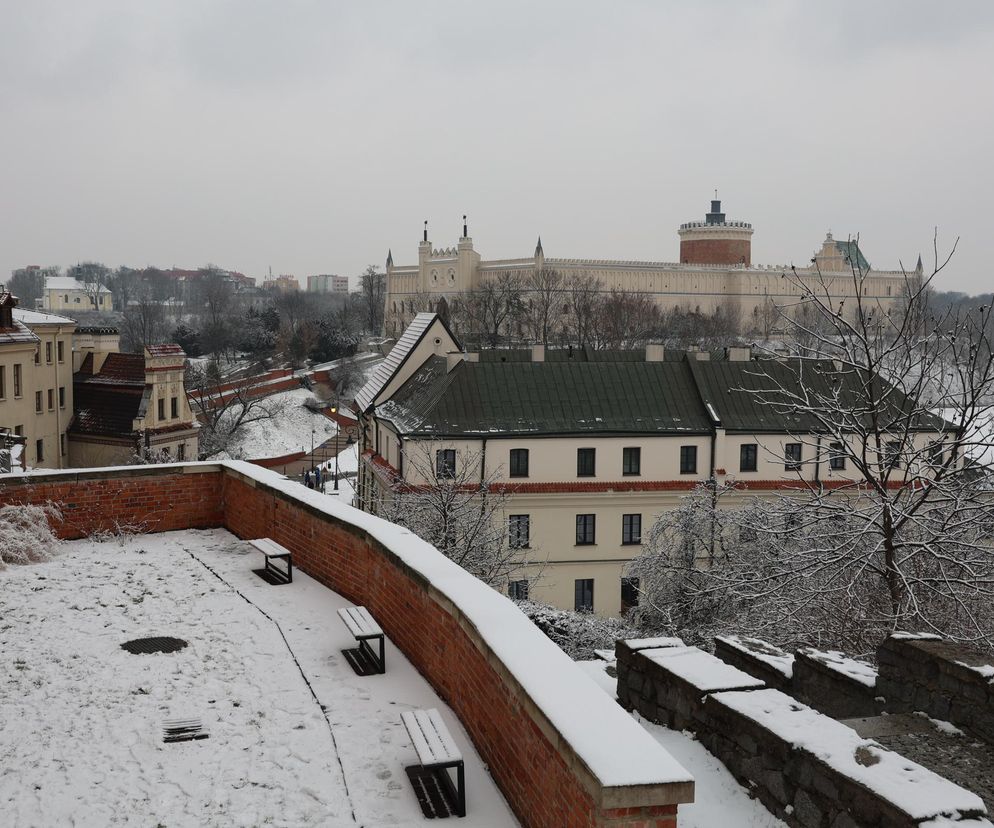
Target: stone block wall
x: 537, y: 768
x: 819, y: 682
x: 948, y: 681
x: 747, y: 656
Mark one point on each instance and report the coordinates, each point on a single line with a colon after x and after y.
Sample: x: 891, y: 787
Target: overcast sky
x: 310, y: 137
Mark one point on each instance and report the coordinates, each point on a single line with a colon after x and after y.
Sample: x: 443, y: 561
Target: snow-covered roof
x: 400, y: 352
x: 30, y: 317
x: 68, y: 283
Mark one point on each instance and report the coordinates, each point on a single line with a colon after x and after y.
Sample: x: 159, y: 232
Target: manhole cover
x: 156, y: 644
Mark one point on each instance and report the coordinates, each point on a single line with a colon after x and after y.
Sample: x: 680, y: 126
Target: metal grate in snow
x: 154, y: 644
x: 183, y: 730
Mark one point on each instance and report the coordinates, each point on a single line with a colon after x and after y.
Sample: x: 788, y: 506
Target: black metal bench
x: 437, y: 752
x: 364, y: 660
x: 274, y: 552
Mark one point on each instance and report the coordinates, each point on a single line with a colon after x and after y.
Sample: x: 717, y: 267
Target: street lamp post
x: 348, y: 443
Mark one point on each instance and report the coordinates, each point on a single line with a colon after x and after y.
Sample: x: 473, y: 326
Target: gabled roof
x: 68, y: 283
x: 35, y: 317
x: 164, y: 350
x: 118, y: 369
x: 18, y: 333
x: 395, y: 359
x: 105, y: 411
x: 544, y: 398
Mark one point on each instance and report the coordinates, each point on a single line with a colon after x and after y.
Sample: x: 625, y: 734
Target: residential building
x: 590, y: 446
x: 327, y: 283
x: 130, y: 405
x: 36, y: 391
x: 715, y: 271
x: 65, y: 293
x: 281, y: 284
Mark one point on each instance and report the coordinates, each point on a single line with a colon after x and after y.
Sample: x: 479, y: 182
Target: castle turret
x: 715, y: 240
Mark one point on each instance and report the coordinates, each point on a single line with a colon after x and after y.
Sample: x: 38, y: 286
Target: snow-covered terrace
x: 88, y: 715
x: 295, y: 736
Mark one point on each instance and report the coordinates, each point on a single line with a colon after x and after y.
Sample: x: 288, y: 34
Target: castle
x: 715, y: 271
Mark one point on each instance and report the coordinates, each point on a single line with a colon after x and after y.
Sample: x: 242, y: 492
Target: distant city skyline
x: 312, y: 139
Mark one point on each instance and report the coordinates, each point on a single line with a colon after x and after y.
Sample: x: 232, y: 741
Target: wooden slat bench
x: 437, y: 752
x: 274, y: 552
x: 364, y: 660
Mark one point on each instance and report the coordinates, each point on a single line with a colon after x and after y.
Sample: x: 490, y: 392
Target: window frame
x: 514, y: 464
x: 18, y: 381
x: 48, y: 353
x: 161, y: 408
x: 60, y: 351
x: 62, y: 396
x: 173, y: 408
x: 51, y: 399
x: 631, y: 585
x: 40, y: 450
x: 587, y: 524
x: 744, y: 450
x: 514, y: 526
x: 39, y: 405
x: 517, y: 590
x: 628, y: 536
x: 628, y: 453
x: 582, y: 455
x: 445, y: 464
x: 582, y: 588
x: 836, y: 457
x: 791, y: 463
x: 688, y: 454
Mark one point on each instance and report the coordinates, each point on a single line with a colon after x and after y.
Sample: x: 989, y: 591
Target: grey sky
x: 312, y: 136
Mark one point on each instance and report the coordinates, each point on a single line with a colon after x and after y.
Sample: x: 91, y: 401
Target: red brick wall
x: 716, y: 251
x: 531, y: 770
x: 543, y: 780
x: 150, y: 499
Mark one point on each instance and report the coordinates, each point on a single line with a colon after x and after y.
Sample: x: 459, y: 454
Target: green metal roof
x: 492, y: 398
x: 852, y: 254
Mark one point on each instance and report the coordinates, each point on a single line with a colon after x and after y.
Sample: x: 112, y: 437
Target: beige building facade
x: 36, y: 393
x: 589, y: 452
x: 66, y: 294
x: 715, y: 270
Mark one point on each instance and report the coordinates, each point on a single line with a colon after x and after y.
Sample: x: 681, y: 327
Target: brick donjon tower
x: 715, y: 241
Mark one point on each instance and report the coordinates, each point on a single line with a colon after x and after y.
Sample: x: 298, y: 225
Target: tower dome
x: 716, y: 241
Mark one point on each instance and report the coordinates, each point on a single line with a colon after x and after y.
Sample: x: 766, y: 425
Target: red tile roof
x: 166, y: 349
x: 105, y: 411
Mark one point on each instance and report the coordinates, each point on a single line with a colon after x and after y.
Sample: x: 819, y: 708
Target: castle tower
x: 715, y: 240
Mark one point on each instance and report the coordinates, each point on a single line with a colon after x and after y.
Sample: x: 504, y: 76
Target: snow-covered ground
x: 348, y: 461
x: 81, y: 719
x: 720, y: 800
x: 288, y: 431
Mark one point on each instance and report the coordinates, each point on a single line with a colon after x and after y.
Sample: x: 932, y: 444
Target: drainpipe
x: 483, y: 461
x: 818, y: 459
x: 59, y: 440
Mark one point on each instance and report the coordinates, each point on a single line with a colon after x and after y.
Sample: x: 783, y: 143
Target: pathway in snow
x: 720, y: 800
x: 80, y: 719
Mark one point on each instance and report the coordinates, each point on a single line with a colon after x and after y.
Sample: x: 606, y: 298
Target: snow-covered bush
x: 26, y: 534
x: 577, y: 634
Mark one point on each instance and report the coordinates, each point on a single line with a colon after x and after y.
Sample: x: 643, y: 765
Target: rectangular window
x: 181, y: 451
x: 48, y: 352
x: 3, y: 382
x: 62, y: 397
x: 17, y: 380
x: 162, y: 408
x: 747, y: 457
x: 60, y: 351
x: 631, y: 461
x: 76, y: 300
x: 585, y: 529
x: 40, y: 450
x: 688, y: 459
x: 792, y: 456
x: 519, y: 463
x: 38, y: 402
x: 51, y: 399
x: 836, y: 457
x: 892, y: 454
x: 631, y: 529
x: 518, y: 531
x: 629, y: 594
x: 19, y: 430
x: 62, y: 444
x: 585, y: 462
x: 174, y: 407
x: 445, y: 463
x: 936, y: 453
x: 38, y: 356
x: 583, y: 595
x: 517, y: 590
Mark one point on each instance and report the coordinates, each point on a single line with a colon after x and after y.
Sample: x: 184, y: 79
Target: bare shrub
x: 26, y: 534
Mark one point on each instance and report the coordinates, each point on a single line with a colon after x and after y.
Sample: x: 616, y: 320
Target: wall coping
x: 626, y: 765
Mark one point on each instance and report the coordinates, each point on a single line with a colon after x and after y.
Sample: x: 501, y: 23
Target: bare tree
x: 493, y: 309
x: 543, y: 306
x: 625, y: 320
x: 463, y: 516
x: 224, y: 406
x: 94, y: 277
x: 895, y: 533
x: 143, y: 323
x: 581, y: 308
x: 28, y: 284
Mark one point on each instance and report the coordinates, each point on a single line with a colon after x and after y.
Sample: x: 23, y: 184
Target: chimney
x: 655, y: 352
x: 538, y: 353
x: 738, y: 353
